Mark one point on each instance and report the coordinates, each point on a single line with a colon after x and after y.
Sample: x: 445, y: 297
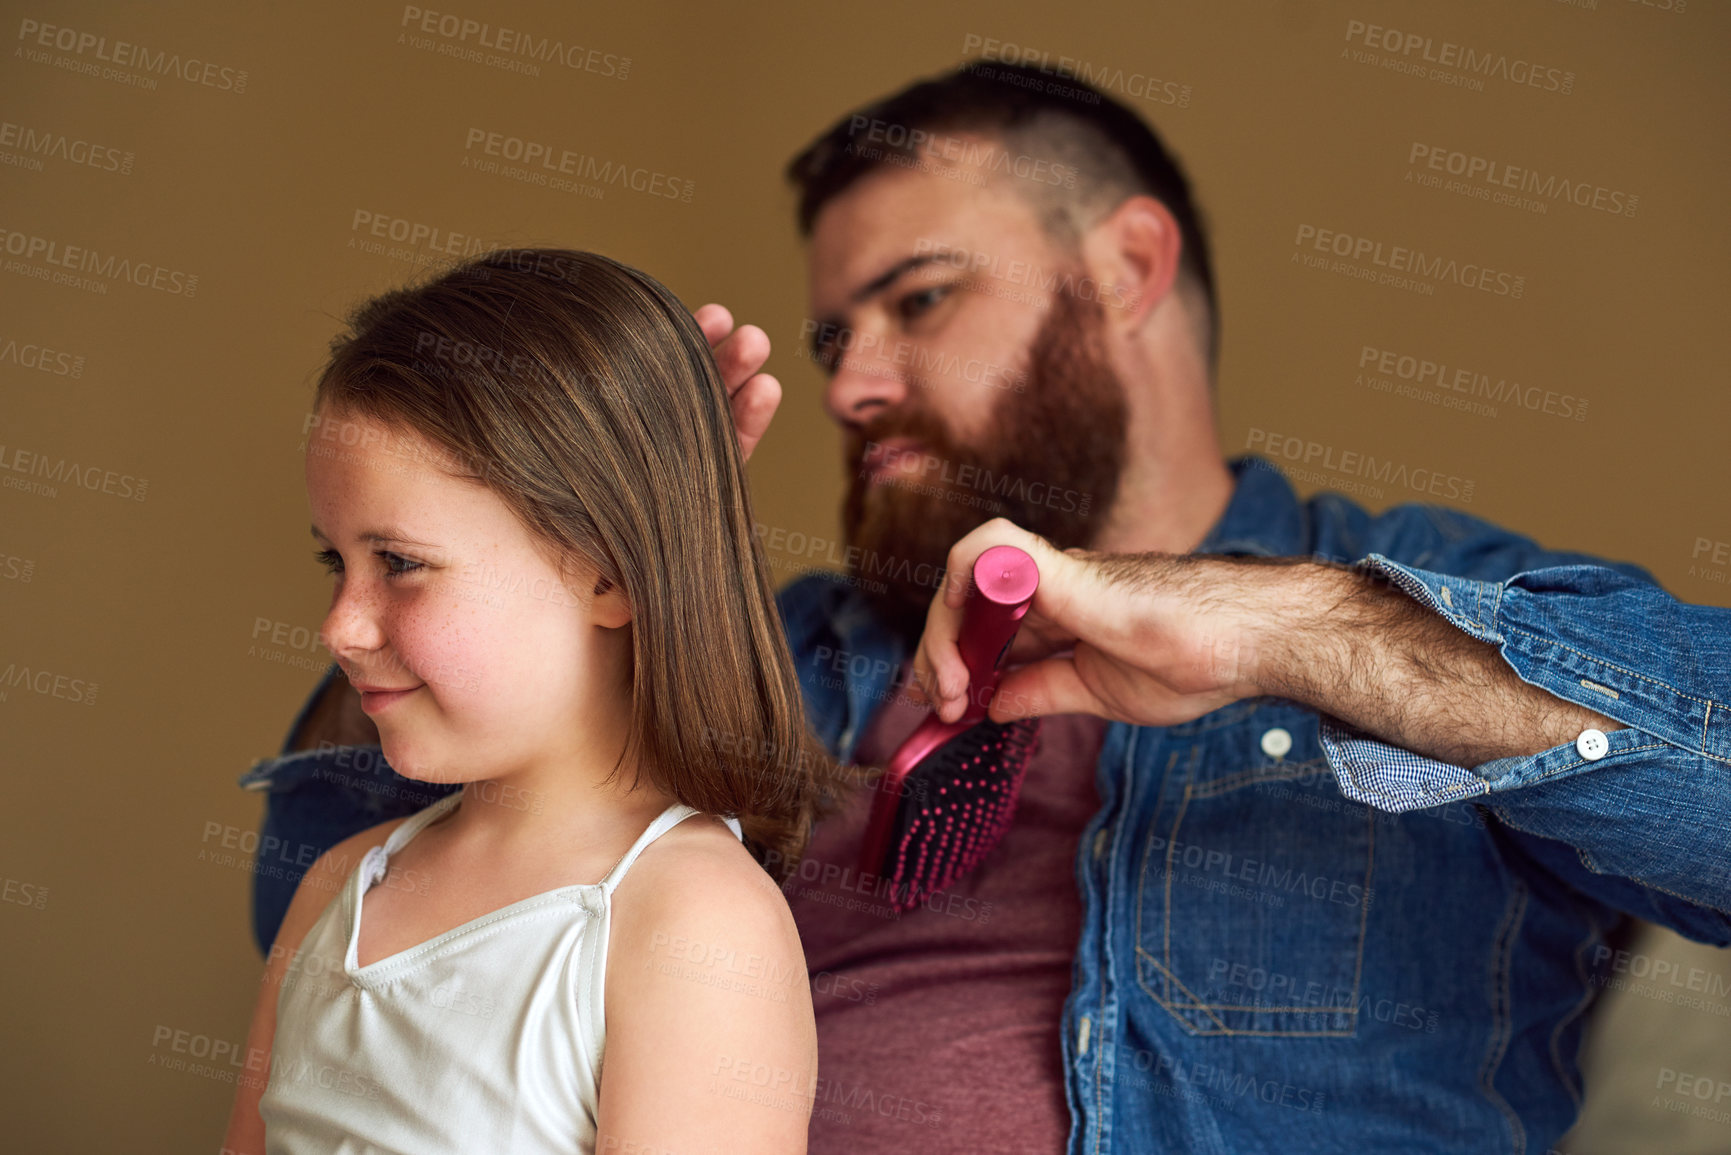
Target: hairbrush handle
x: 1000, y: 590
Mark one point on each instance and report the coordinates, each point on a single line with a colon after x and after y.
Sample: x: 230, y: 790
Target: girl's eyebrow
x: 388, y: 534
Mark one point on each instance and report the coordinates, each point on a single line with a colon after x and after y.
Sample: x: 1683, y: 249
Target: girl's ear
x: 605, y: 602
x: 609, y: 608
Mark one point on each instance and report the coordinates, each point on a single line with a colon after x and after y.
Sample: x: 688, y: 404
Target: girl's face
x: 474, y: 656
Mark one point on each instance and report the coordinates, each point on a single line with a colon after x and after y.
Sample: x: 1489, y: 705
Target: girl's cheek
x: 487, y: 650
x: 445, y: 645
x: 479, y: 656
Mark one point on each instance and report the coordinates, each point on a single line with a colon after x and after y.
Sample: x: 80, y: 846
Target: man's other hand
x: 740, y: 354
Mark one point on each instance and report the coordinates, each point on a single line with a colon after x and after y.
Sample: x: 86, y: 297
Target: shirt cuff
x: 1390, y: 778
x: 1387, y: 777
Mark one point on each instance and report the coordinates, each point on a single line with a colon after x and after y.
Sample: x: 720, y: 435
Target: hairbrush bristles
x: 956, y: 805
x: 949, y: 791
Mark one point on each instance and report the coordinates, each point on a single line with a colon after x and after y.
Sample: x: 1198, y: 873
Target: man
x: 1331, y: 875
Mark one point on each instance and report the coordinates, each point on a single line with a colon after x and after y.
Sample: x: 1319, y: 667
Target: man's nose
x: 866, y: 381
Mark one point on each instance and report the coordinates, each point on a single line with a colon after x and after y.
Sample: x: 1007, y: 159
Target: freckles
x: 473, y: 645
x: 448, y: 644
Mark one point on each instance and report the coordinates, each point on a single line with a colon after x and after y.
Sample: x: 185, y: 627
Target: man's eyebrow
x: 888, y: 277
x: 388, y: 534
x: 832, y: 323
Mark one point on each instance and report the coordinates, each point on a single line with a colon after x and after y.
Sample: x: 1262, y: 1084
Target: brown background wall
x: 155, y: 593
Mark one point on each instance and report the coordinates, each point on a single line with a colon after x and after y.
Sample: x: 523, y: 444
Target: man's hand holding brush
x: 1157, y: 639
x: 1115, y: 635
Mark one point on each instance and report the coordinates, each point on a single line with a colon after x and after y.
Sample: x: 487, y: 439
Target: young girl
x: 526, y: 479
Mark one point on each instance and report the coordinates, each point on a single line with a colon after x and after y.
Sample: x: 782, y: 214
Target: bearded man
x: 1331, y: 809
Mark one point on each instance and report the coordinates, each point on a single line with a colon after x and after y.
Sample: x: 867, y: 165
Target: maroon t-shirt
x: 938, y: 1029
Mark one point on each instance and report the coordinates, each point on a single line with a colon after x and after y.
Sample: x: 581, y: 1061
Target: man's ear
x: 1133, y: 254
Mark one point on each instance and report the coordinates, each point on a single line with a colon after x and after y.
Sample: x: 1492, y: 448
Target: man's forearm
x: 1348, y: 644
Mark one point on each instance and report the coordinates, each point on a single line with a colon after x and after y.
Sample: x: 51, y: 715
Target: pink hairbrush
x: 950, y: 790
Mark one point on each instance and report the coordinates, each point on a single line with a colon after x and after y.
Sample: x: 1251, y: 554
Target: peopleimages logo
x: 1515, y: 185
x: 1131, y: 83
x: 556, y: 167
x: 1418, y: 371
x: 30, y: 355
x: 1461, y: 65
x: 101, y: 267
x: 47, y: 683
x: 37, y: 37
x: 1315, y: 461
x: 985, y: 268
x: 1398, y: 264
x: 870, y: 137
x: 914, y: 467
x: 65, y: 471
x: 514, y: 49
x: 34, y: 144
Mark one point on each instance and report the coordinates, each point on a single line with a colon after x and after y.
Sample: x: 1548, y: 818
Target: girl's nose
x: 351, y: 628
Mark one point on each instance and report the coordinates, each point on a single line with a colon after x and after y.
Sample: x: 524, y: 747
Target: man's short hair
x: 1100, y: 151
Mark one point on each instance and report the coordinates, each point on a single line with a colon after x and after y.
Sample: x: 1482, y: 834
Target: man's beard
x: 1048, y: 459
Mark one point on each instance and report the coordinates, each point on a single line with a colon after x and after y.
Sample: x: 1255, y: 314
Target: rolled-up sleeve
x: 1649, y: 802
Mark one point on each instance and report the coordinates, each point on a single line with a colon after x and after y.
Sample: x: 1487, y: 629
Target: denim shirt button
x: 1592, y: 744
x: 1276, y: 742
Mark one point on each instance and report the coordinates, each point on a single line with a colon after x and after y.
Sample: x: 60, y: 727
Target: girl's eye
x: 395, y: 564
x: 394, y: 561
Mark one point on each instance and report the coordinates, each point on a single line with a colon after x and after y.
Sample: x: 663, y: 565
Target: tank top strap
x: 675, y: 814
x: 419, y: 820
x: 373, y: 865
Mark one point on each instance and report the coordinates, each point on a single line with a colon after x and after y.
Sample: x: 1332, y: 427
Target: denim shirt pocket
x: 1255, y: 881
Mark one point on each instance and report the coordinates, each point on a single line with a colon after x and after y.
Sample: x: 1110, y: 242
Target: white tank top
x: 488, y: 1037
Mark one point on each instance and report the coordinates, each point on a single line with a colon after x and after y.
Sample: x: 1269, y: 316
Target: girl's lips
x: 375, y: 700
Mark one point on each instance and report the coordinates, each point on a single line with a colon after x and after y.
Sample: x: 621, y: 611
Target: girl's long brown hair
x: 584, y: 394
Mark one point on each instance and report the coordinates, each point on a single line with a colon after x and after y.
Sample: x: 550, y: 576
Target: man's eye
x: 921, y: 300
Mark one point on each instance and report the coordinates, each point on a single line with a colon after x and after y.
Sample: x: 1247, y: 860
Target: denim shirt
x: 1295, y: 937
